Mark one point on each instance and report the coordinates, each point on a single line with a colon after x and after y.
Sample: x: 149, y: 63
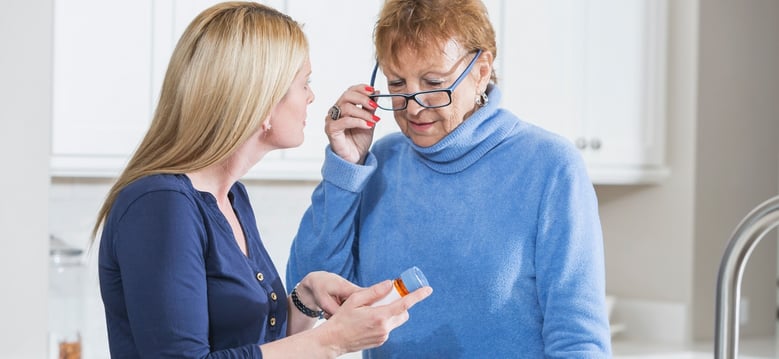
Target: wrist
x: 327, y: 340
x: 305, y: 307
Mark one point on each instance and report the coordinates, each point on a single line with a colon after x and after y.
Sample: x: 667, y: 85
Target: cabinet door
x: 624, y: 81
x: 102, y: 95
x: 543, y: 50
x: 109, y: 64
x: 594, y: 72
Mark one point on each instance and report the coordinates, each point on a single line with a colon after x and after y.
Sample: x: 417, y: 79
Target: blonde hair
x: 425, y: 26
x: 232, y: 64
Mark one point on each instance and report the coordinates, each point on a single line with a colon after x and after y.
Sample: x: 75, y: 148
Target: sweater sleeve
x: 160, y: 249
x: 570, y: 266
x: 326, y: 236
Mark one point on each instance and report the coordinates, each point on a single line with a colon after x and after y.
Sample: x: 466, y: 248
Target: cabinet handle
x: 580, y: 143
x: 595, y: 144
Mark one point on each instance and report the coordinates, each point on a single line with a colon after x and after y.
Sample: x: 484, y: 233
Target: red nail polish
x: 373, y: 104
x: 370, y: 124
x: 369, y: 89
x: 376, y: 118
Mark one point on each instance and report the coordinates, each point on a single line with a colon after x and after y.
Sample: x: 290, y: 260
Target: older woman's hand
x: 350, y: 122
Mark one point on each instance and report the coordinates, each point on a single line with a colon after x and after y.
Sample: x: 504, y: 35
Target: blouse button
x: 260, y: 277
x: 272, y: 321
x: 274, y: 296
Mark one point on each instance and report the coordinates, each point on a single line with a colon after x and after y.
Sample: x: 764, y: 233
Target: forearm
x: 297, y: 321
x: 314, y: 343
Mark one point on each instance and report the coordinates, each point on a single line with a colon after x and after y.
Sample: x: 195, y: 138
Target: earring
x: 482, y: 99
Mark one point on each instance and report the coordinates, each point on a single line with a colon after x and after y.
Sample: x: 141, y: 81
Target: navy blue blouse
x: 174, y: 281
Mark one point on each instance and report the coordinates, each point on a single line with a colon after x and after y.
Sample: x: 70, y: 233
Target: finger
x: 399, y: 308
x: 368, y: 296
x: 353, y: 116
x: 355, y: 103
x: 360, y: 112
x: 329, y: 304
x: 411, y: 299
x: 336, y: 297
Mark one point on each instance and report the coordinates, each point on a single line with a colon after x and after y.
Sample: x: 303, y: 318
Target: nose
x: 413, y: 107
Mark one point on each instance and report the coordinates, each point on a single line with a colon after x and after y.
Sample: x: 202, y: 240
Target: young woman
x: 183, y: 271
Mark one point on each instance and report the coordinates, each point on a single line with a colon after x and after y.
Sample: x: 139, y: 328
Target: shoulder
x: 536, y: 149
x: 156, y: 190
x: 543, y: 143
x: 157, y: 183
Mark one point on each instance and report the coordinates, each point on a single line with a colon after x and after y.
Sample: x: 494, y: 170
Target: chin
x: 423, y: 141
x: 296, y: 144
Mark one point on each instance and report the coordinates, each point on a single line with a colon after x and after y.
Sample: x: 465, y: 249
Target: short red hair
x: 426, y: 26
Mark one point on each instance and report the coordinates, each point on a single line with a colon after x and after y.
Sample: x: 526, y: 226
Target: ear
x: 266, y: 126
x: 484, y: 65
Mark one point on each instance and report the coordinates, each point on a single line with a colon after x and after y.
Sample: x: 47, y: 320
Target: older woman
x: 498, y: 213
x: 183, y: 271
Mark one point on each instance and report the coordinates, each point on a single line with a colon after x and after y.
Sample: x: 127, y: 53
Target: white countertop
x: 760, y: 348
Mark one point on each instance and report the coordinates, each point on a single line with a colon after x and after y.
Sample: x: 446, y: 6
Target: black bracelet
x: 302, y: 307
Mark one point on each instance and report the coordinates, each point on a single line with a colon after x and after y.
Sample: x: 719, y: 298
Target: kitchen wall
x: 737, y: 148
x: 663, y: 242
x: 25, y: 111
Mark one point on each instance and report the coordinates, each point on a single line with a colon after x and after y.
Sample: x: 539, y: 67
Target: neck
x: 218, y: 178
x: 214, y: 179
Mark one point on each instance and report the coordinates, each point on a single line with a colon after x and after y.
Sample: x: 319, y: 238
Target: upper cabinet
x: 590, y: 70
x: 102, y: 94
x: 594, y: 72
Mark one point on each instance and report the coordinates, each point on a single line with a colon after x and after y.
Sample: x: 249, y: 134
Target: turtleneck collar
x: 471, y: 140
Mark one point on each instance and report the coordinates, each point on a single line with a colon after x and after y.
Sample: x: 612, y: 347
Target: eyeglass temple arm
x: 373, y: 74
x: 467, y: 69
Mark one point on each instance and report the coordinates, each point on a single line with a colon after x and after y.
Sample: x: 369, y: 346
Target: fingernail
x: 373, y: 104
x: 369, y: 88
x: 370, y: 124
x: 376, y: 118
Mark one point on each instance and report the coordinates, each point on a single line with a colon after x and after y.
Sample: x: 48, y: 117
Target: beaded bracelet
x: 302, y: 307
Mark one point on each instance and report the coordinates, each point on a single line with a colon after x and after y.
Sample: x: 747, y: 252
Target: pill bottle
x: 410, y: 280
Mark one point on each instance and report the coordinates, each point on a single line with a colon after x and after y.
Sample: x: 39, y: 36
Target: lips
x: 420, y: 126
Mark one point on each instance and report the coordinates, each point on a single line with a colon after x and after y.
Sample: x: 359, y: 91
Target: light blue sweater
x: 501, y: 217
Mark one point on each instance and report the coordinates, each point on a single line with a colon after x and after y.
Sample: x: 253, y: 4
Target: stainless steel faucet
x: 761, y: 220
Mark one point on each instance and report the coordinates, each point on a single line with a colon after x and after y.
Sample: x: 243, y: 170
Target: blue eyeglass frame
x: 413, y: 96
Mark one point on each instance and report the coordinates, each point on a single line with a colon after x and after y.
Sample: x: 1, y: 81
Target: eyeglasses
x: 427, y: 99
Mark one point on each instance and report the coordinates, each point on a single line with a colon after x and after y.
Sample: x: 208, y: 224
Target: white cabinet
x: 591, y: 70
x: 594, y: 72
x: 109, y: 63
x: 102, y: 94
